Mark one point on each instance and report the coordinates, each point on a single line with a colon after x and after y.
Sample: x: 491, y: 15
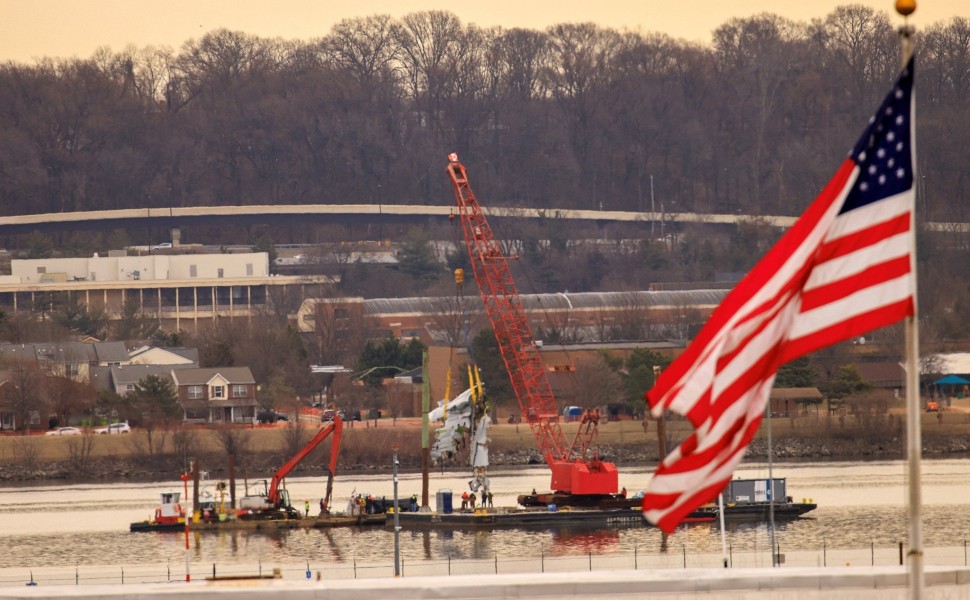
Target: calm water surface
x: 859, y: 503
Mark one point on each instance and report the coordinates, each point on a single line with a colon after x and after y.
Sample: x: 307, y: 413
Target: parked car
x: 65, y: 431
x: 162, y: 246
x: 122, y: 427
x: 266, y: 415
x: 344, y: 415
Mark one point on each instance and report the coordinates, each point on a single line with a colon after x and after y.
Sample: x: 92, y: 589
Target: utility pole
x: 397, y: 520
x: 425, y: 425
x: 653, y: 210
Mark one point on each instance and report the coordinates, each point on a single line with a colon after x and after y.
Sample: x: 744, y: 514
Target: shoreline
x: 137, y: 468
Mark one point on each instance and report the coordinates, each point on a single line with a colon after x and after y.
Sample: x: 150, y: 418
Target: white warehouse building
x: 181, y: 290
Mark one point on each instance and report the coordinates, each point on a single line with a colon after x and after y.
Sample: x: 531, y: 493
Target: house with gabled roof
x: 124, y: 379
x: 217, y: 395
x: 152, y: 355
x: 73, y: 360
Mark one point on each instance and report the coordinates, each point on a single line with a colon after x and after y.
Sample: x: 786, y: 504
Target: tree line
x: 577, y: 116
x: 574, y: 116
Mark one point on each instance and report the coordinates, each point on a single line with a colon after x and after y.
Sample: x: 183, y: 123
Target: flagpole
x: 720, y: 513
x: 913, y: 416
x: 771, y: 491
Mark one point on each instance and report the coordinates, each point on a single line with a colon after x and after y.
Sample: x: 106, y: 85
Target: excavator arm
x: 334, y: 427
x: 572, y: 472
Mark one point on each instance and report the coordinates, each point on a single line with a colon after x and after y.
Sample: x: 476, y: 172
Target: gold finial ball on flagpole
x: 905, y: 7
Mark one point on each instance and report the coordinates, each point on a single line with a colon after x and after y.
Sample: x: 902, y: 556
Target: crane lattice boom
x: 573, y: 471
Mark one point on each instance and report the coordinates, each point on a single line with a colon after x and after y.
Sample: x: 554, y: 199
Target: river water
x: 860, y: 504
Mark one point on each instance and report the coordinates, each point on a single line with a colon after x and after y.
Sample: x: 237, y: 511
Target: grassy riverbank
x: 366, y: 447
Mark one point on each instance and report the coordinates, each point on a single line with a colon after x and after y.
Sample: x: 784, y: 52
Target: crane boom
x: 336, y: 427
x: 573, y: 472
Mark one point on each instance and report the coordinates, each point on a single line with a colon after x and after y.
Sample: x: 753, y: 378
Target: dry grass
x: 367, y: 446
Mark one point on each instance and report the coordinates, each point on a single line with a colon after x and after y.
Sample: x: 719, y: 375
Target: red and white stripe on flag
x: 846, y: 267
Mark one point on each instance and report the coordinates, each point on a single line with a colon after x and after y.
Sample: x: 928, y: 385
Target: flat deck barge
x: 495, y: 518
x: 321, y: 522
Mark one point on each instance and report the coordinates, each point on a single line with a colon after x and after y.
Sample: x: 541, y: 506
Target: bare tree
x: 26, y: 450
x: 364, y: 47
x: 185, y: 444
x: 296, y: 434
x: 26, y: 392
x: 446, y: 317
x: 68, y: 398
x: 627, y: 322
x: 593, y: 384
x: 234, y: 441
x: 424, y: 41
x: 340, y: 330
x: 79, y: 454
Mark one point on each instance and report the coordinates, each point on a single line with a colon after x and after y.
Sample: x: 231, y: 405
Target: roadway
x: 323, y: 213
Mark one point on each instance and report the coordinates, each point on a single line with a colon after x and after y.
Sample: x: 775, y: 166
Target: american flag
x: 846, y: 267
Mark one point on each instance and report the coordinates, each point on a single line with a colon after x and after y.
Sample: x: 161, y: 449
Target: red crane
x: 576, y: 467
x: 277, y: 496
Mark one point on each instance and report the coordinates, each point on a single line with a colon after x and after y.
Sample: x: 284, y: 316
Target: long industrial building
x: 181, y: 290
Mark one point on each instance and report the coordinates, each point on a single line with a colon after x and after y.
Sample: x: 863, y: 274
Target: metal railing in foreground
x: 675, y: 558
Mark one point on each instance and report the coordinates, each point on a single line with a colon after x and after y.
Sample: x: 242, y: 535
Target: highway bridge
x: 374, y: 213
x: 323, y: 213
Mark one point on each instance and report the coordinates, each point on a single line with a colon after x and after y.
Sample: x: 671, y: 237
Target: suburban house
x: 73, y: 360
x: 220, y: 395
x: 124, y: 379
x: 151, y: 355
x: 217, y: 395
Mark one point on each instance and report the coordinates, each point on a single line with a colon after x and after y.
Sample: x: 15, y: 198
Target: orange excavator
x: 579, y: 476
x: 274, y: 503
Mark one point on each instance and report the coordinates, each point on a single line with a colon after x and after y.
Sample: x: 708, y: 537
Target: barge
x: 495, y: 518
x: 745, y: 500
x: 170, y: 516
x: 242, y: 524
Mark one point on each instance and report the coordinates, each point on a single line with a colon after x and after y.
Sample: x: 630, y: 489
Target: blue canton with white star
x: 884, y: 152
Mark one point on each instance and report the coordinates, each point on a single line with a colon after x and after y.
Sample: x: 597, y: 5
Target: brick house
x: 217, y: 395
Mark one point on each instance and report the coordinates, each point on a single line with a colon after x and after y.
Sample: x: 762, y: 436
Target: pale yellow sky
x: 31, y: 29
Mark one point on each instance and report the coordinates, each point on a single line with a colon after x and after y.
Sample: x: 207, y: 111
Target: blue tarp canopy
x: 952, y: 380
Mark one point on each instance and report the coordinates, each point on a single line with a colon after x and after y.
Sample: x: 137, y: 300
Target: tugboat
x: 169, y: 516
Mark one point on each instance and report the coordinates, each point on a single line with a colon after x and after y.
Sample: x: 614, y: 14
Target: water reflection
x: 859, y: 504
x: 571, y: 541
